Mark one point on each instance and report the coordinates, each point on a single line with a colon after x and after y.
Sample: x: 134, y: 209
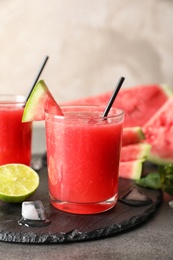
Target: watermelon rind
x: 39, y: 100
x: 168, y: 91
x: 156, y: 159
x: 159, y: 133
x: 135, y: 152
x: 132, y: 135
x: 131, y: 169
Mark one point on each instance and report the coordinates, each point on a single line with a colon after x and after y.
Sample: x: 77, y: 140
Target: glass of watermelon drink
x: 83, y: 152
x: 15, y: 137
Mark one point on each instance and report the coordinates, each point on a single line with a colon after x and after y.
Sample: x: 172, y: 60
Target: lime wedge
x: 17, y: 182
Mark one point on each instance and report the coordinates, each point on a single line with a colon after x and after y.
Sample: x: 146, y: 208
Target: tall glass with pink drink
x: 15, y: 136
x: 83, y: 152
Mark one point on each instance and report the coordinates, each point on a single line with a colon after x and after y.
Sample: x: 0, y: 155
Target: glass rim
x: 8, y: 99
x: 120, y: 112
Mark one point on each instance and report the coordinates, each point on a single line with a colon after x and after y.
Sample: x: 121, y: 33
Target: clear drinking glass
x: 83, y: 152
x: 15, y: 136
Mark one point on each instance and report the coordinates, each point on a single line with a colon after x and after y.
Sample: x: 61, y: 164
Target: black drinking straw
x: 38, y: 75
x: 115, y: 93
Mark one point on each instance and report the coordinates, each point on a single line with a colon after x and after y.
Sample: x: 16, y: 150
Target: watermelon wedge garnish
x: 40, y: 100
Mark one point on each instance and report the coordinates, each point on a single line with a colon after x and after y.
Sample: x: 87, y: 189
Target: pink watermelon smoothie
x: 83, y: 159
x: 15, y: 137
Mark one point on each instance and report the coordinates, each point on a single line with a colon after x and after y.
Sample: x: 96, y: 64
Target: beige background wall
x: 91, y: 43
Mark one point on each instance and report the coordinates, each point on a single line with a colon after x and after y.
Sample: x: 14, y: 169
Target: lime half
x: 17, y: 182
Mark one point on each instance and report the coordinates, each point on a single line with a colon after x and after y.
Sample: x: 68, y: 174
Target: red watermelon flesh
x: 139, y: 103
x: 132, y: 135
x: 134, y: 152
x: 131, y: 169
x: 159, y: 133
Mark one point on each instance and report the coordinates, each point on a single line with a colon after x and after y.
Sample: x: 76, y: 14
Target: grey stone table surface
x: 151, y: 240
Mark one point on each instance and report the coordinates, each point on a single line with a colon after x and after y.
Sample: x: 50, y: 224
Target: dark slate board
x: 67, y: 227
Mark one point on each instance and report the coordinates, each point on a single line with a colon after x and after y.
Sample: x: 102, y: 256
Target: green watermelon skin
x: 39, y: 101
x: 135, y: 152
x: 131, y: 169
x: 159, y: 133
x: 140, y: 103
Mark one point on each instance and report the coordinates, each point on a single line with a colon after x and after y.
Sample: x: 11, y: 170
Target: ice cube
x: 136, y: 198
x: 33, y: 210
x: 171, y: 203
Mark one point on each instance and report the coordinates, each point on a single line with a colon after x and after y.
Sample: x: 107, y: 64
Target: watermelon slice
x: 40, y: 100
x: 159, y: 133
x: 135, y: 101
x: 135, y: 151
x: 132, y: 135
x: 131, y: 169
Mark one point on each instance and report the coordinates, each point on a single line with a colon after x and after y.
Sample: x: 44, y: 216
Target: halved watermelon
x: 132, y: 135
x: 40, y: 100
x: 159, y: 133
x: 131, y: 169
x: 134, y: 152
x: 139, y: 103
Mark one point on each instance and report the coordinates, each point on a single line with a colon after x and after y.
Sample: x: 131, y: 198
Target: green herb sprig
x: 162, y: 179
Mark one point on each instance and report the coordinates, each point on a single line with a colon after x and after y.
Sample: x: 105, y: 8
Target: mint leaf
x: 168, y: 189
x: 167, y: 179
x: 163, y: 179
x: 152, y: 180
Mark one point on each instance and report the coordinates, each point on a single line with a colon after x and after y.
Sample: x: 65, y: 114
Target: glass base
x: 84, y: 208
